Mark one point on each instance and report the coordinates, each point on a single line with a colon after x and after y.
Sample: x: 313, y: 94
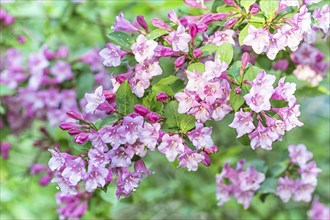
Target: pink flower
x: 62, y: 71
x: 94, y: 100
x: 299, y: 154
x: 112, y: 55
x: 149, y: 135
x: 201, y: 137
x: 322, y: 17
x: 179, y: 39
x: 186, y: 101
x: 190, y: 159
x: 318, y: 211
x: 144, y: 49
x: 95, y: 177
x: 243, y: 123
x: 214, y: 70
x: 285, y: 188
x: 121, y: 157
x: 290, y: 116
x: 262, y: 137
x: 171, y: 146
x: 221, y: 37
x: 121, y: 24
x: 258, y: 38
x: 130, y: 127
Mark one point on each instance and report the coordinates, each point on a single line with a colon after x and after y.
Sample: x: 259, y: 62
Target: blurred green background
x: 170, y: 193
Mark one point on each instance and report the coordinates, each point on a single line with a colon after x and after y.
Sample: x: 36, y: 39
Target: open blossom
x: 263, y: 137
x: 318, y: 211
x: 95, y: 177
x: 179, y: 39
x: 201, y: 136
x: 144, y: 49
x: 239, y: 183
x: 190, y: 159
x: 94, y: 100
x: 322, y: 18
x: 258, y: 38
x: 111, y: 55
x: 290, y: 116
x: 121, y: 24
x: 130, y: 127
x: 306, y: 73
x: 62, y: 71
x: 221, y: 37
x: 299, y: 154
x: 285, y: 188
x: 171, y: 146
x: 243, y: 123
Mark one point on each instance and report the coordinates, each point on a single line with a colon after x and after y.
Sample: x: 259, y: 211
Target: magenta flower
x: 109, y: 134
x: 186, y: 101
x: 201, y: 137
x: 98, y: 157
x: 74, y: 170
x: 290, y: 116
x: 94, y: 100
x: 144, y: 49
x: 127, y: 182
x: 121, y: 157
x: 130, y: 127
x: 318, y: 211
x: 299, y: 154
x: 221, y: 37
x: 322, y: 18
x: 309, y: 173
x: 149, y: 135
x: 64, y: 185
x: 121, y: 24
x: 62, y: 71
x: 285, y: 91
x: 179, y: 39
x: 4, y: 149
x: 171, y: 146
x: 243, y: 123
x: 214, y: 70
x: 258, y: 38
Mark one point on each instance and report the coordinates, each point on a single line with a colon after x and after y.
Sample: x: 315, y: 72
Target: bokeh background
x: 170, y: 193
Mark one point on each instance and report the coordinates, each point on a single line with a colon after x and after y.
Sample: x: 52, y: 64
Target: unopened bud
x: 179, y: 61
x: 141, y: 110
x: 81, y: 138
x: 197, y: 53
x: 245, y: 60
x: 153, y: 117
x: 162, y: 96
x: 140, y: 19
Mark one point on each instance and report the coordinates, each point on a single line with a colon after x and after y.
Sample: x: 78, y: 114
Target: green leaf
x: 242, y: 35
x: 279, y: 168
x: 251, y: 73
x: 156, y: 33
x: 216, y: 4
x: 187, y: 122
x: 168, y: 80
x: 247, y: 3
x: 125, y: 99
x: 199, y: 67
x: 151, y: 102
x: 268, y: 186
x: 5, y: 90
x: 269, y: 8
x: 312, y: 91
x: 208, y: 49
x: 234, y: 70
x: 172, y: 115
x: 236, y: 100
x: 121, y: 39
x: 163, y: 85
x: 85, y: 83
x: 167, y: 64
x: 225, y: 52
x: 245, y: 140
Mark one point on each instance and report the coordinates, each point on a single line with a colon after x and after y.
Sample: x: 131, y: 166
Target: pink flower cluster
x: 239, y: 183
x: 310, y: 63
x: 206, y: 95
x: 5, y: 18
x: 299, y: 189
x: 318, y: 211
x: 258, y: 100
x: 294, y: 31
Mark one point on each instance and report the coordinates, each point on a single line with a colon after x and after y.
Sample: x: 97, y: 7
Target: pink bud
x: 281, y: 65
x: 21, y: 39
x: 254, y: 9
x: 230, y: 2
x: 245, y: 60
x: 162, y: 96
x: 81, y: 138
x: 4, y: 149
x: 193, y: 30
x: 68, y: 125
x: 211, y: 150
x: 140, y: 19
x: 62, y: 52
x: 207, y: 159
x: 179, y: 61
x: 231, y: 22
x: 160, y: 24
x: 75, y: 115
x: 109, y: 177
x: 153, y: 117
x: 74, y: 131
x: 37, y: 168
x: 197, y: 53
x: 238, y: 90
x: 49, y: 54
x: 109, y: 95
x: 45, y: 180
x: 141, y: 110
x: 173, y: 17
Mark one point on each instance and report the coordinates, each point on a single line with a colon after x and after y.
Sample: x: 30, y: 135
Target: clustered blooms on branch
x: 242, y: 183
x: 299, y: 189
x: 147, y: 113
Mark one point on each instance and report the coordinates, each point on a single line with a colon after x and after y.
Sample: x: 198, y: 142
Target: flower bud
x: 207, y: 159
x: 142, y: 22
x: 21, y: 39
x: 160, y: 24
x: 162, y: 97
x: 193, y: 30
x: 179, y: 61
x: 245, y: 60
x: 281, y: 65
x: 197, y: 53
x: 238, y: 90
x: 141, y: 110
x: 109, y: 177
x: 74, y: 131
x: 153, y: 117
x: 254, y: 9
x: 62, y: 52
x: 81, y: 138
x: 45, y: 180
x: 229, y: 2
x: 68, y: 125
x: 231, y: 22
x: 211, y: 150
x: 4, y: 149
x: 37, y: 168
x: 75, y: 115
